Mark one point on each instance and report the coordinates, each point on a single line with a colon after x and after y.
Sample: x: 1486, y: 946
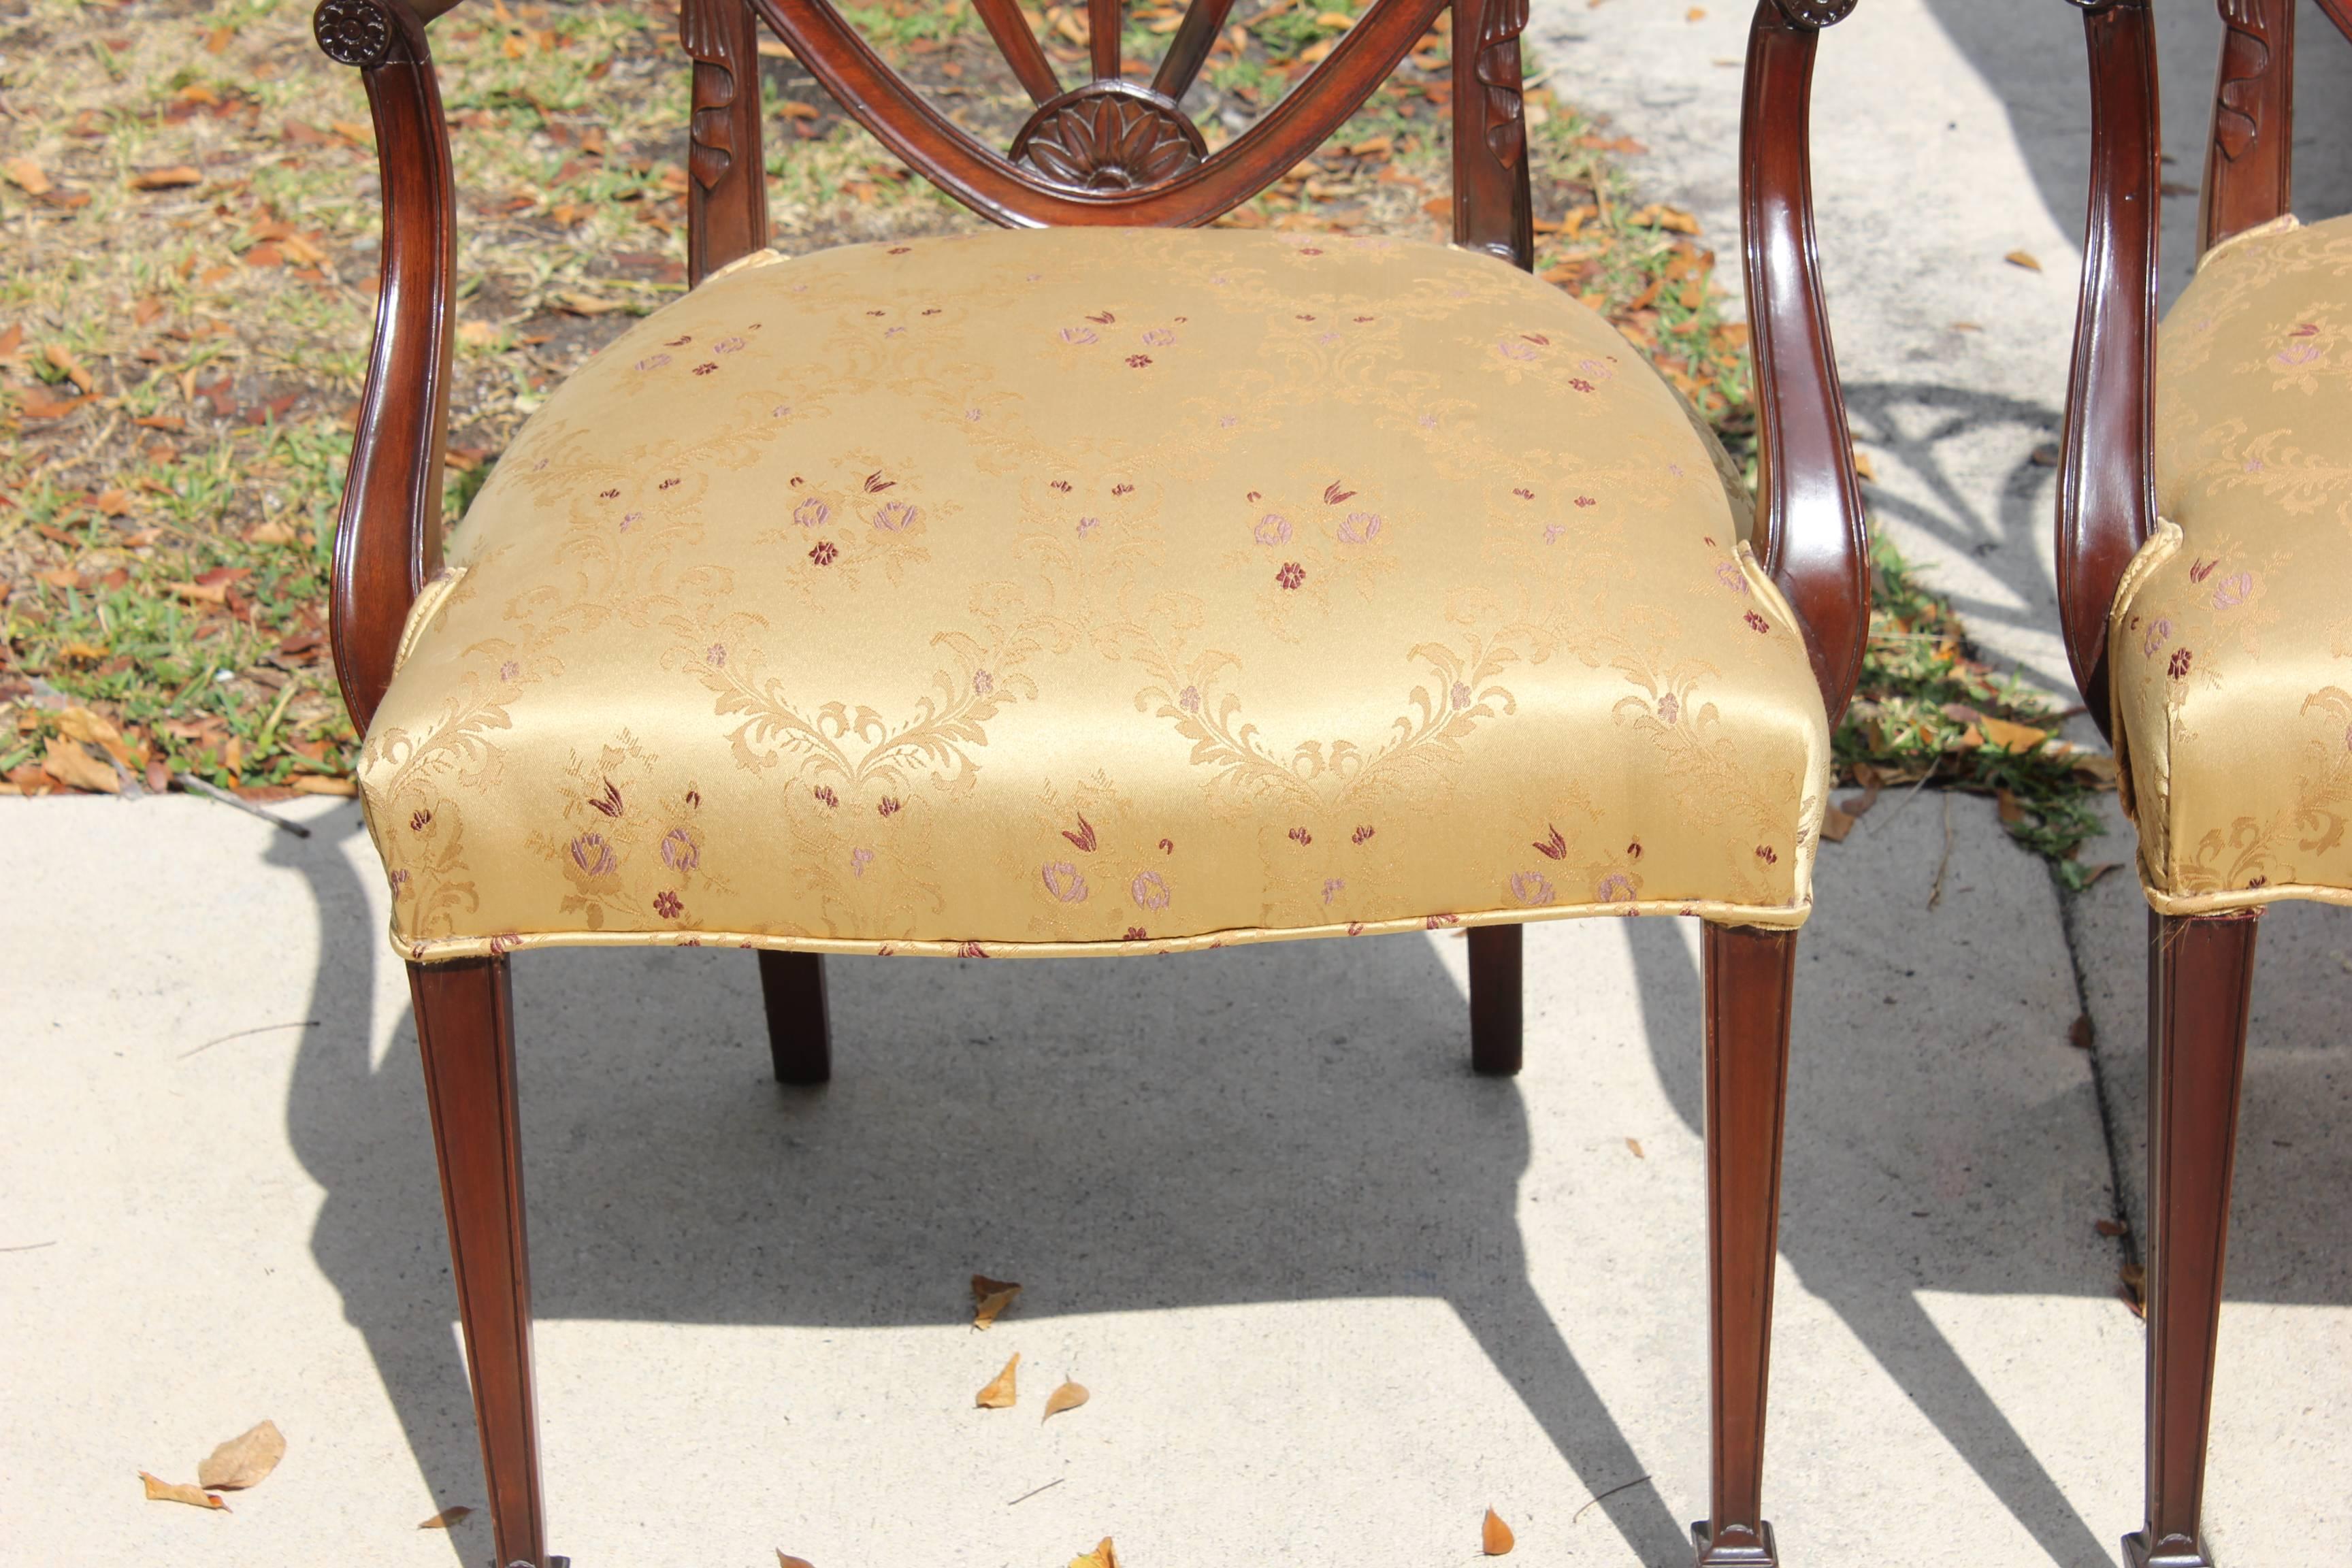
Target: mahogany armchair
x: 1111, y: 585
x: 2202, y: 546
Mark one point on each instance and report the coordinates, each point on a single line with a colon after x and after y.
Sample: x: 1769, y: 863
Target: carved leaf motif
x: 1109, y: 141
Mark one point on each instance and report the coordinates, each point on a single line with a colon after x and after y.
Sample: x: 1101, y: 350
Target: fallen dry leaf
x: 1836, y: 824
x: 245, y: 1460
x: 476, y: 334
x: 1495, y: 1537
x: 175, y: 1492
x: 2009, y: 737
x: 1069, y: 1396
x: 2023, y: 258
x: 1863, y: 467
x: 1104, y: 1555
x: 170, y: 179
x: 784, y: 1560
x: 581, y: 304
x: 80, y: 724
x: 999, y: 1395
x: 319, y: 784
x: 2131, y: 1284
x: 63, y: 359
x: 2010, y: 807
x: 989, y: 1297
x: 27, y: 176
x: 2079, y: 1034
x: 69, y: 764
x: 116, y: 502
x: 1635, y: 1145
x: 2111, y: 1228
x: 447, y: 1517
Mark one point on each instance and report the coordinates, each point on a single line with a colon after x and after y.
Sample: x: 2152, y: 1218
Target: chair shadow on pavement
x: 1288, y: 1123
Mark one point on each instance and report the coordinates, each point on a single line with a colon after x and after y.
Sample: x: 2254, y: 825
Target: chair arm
x: 388, y: 532
x: 1812, y: 534
x: 2106, y: 481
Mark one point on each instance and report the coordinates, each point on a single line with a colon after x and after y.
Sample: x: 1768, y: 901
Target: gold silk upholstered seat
x: 1095, y: 589
x: 2231, y: 637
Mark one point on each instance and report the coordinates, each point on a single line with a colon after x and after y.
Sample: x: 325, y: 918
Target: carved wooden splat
x: 1109, y: 136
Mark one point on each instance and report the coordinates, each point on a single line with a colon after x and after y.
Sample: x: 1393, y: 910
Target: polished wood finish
x: 1750, y: 978
x: 2201, y: 974
x: 1106, y: 151
x: 1497, y: 998
x: 727, y: 200
x: 465, y: 1030
x: 1811, y: 535
x: 388, y: 532
x: 800, y: 1032
x: 2106, y: 481
x: 1494, y: 206
x: 2249, y: 157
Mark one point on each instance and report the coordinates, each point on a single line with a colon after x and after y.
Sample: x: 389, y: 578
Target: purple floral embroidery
x: 1553, y: 532
x: 705, y: 369
x: 1767, y: 854
x: 509, y: 670
x: 1360, y: 834
x: 2178, y: 667
x: 419, y: 820
x: 781, y: 411
x: 1078, y: 335
x: 1461, y: 694
x: 1150, y: 891
x: 1359, y: 528
x: 726, y: 346
x: 1087, y: 525
x: 890, y: 806
x: 1615, y: 888
x: 1272, y: 528
x: 1137, y: 933
x: 1728, y: 573
x: 668, y: 484
x: 1579, y: 383
x: 716, y: 657
x: 982, y: 683
x: 1063, y: 881
x: 1332, y: 888
x: 1189, y: 700
x: 630, y: 520
x: 1552, y: 845
x: 1511, y: 348
x: 1301, y: 837
x: 593, y: 856
x: 896, y: 517
x: 667, y: 905
x: 2233, y: 591
x: 678, y: 850
x: 653, y: 361
x: 2201, y: 569
x: 825, y: 792
x: 811, y: 512
x: 1158, y: 337
x: 823, y: 553
x: 1532, y: 887
x: 1669, y: 711
x: 1137, y: 362
x: 859, y: 858
x: 2159, y: 631
x: 1168, y: 847
x: 1291, y: 575
x: 1586, y: 500
x: 1756, y: 622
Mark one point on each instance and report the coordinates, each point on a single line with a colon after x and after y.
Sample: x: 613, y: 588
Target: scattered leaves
x: 1495, y: 1537
x: 27, y: 176
x: 68, y: 762
x: 178, y: 1491
x: 2023, y: 258
x: 2079, y: 1032
x: 2112, y: 1228
x: 448, y: 1517
x: 1000, y: 1392
x: 990, y: 1298
x: 784, y: 1560
x: 245, y: 1460
x: 167, y: 179
x: 1104, y: 1555
x: 1069, y: 1396
x: 1635, y: 1145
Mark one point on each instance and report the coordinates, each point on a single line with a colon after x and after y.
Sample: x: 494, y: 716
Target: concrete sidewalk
x: 1327, y: 1288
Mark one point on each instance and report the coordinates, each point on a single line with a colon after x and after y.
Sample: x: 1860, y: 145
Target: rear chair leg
x: 1495, y: 1000
x: 465, y: 1028
x: 2200, y: 972
x: 1749, y: 976
x: 798, y: 1036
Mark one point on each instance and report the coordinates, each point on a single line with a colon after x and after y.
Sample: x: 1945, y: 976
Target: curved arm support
x: 1811, y: 534
x: 2340, y: 13
x: 2106, y: 482
x: 388, y: 533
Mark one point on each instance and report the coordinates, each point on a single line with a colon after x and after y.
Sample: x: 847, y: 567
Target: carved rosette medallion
x: 352, y: 32
x: 1109, y: 136
x: 1817, y: 12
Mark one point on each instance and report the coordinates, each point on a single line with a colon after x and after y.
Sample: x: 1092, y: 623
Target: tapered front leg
x: 799, y: 1037
x: 1497, y: 1000
x: 2201, y: 973
x: 465, y: 1026
x: 1749, y: 976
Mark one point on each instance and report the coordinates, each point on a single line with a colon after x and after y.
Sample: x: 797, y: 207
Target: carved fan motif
x: 1109, y: 136
x: 352, y: 32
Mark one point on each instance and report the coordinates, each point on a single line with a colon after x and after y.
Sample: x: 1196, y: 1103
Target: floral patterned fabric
x: 1098, y: 591
x: 2231, y: 645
